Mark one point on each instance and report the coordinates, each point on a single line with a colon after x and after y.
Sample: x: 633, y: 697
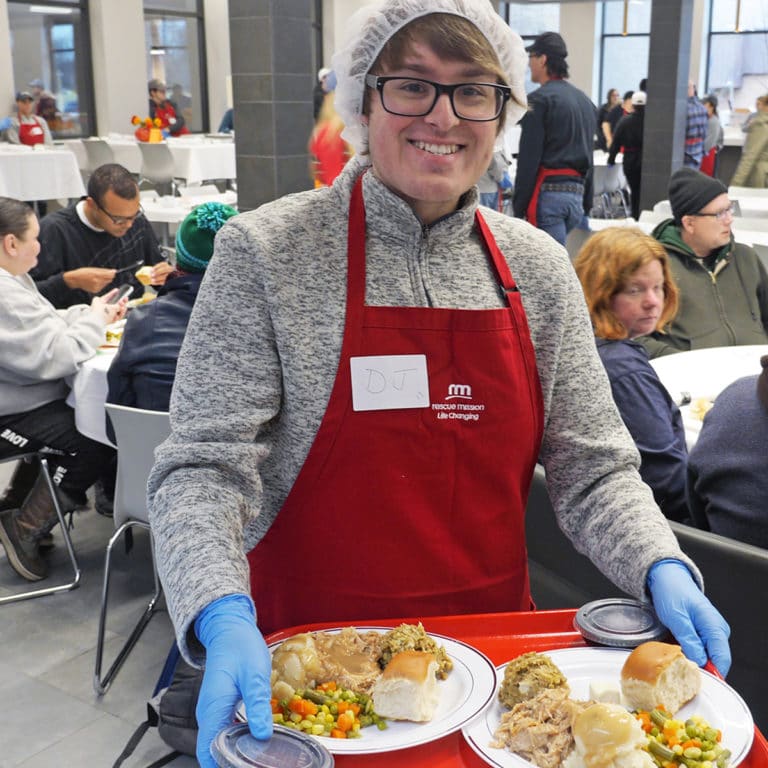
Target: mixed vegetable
x: 673, y: 743
x: 327, y: 711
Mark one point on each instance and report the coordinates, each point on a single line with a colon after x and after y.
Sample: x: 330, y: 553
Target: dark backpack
x: 171, y: 710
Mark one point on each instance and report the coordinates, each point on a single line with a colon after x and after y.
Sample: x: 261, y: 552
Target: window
x: 176, y: 55
x: 50, y: 44
x: 625, y: 43
x: 737, y: 64
x: 529, y: 21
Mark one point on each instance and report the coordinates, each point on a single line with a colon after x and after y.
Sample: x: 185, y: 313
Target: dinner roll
x: 407, y: 688
x: 144, y: 275
x: 658, y: 675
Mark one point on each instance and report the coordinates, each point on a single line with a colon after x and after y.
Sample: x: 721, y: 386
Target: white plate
x: 466, y: 691
x: 717, y: 703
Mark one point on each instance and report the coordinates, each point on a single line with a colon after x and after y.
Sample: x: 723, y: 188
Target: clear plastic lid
x: 619, y: 622
x: 234, y: 747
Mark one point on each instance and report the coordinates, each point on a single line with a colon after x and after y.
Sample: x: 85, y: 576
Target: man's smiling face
x: 430, y: 161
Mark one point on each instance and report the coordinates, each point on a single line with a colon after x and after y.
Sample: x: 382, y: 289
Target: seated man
x: 728, y: 466
x: 98, y: 242
x: 723, y: 284
x: 142, y: 373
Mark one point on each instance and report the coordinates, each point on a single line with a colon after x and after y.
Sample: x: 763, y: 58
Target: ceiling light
x: 50, y: 9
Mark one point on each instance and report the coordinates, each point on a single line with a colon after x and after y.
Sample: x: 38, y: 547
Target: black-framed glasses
x: 118, y: 220
x: 722, y: 215
x: 414, y: 97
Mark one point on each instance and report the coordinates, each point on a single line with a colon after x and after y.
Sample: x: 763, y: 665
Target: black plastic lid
x: 619, y: 622
x: 234, y: 747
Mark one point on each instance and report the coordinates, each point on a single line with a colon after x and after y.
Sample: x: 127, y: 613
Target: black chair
x: 39, y: 456
x: 734, y: 575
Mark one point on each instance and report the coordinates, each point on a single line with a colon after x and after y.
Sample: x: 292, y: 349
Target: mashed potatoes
x: 607, y: 736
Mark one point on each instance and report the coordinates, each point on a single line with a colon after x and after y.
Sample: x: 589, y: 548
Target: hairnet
x: 372, y: 26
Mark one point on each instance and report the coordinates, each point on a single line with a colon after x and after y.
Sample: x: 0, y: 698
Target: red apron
x: 31, y: 133
x: 533, y: 205
x: 413, y: 511
x: 708, y: 162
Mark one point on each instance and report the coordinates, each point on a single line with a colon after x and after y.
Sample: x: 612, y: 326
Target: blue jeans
x: 490, y: 200
x: 560, y: 212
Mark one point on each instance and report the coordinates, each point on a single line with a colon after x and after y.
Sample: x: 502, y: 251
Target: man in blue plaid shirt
x: 695, y: 129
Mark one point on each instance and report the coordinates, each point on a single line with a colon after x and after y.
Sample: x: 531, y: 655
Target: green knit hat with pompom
x: 194, y: 237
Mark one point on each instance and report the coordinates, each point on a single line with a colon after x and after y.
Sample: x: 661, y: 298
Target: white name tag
x: 387, y: 382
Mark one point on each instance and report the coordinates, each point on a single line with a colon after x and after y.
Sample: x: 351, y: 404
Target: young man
x: 98, y: 242
x: 723, y: 284
x: 26, y: 127
x: 279, y: 435
x: 553, y: 185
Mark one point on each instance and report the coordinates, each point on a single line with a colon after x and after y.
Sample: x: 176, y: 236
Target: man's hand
x: 237, y: 666
x: 89, y: 279
x: 160, y: 272
x: 681, y: 606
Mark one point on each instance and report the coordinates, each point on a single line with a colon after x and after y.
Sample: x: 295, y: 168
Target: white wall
x: 119, y: 64
x: 218, y: 58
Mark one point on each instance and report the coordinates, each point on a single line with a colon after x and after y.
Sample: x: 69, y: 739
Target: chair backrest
x: 97, y: 153
x: 156, y: 162
x: 663, y: 207
x: 137, y: 433
x: 575, y: 239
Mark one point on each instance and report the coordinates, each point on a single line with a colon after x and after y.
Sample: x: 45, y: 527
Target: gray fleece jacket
x: 260, y: 357
x: 40, y: 345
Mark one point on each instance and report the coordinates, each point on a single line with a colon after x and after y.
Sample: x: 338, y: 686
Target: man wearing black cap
x: 553, y: 185
x: 723, y: 284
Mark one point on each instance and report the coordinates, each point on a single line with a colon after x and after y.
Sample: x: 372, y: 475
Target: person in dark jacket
x: 97, y: 243
x: 629, y: 290
x: 728, y: 466
x: 142, y: 373
x: 723, y: 284
x: 603, y: 126
x: 628, y: 139
x: 553, y: 183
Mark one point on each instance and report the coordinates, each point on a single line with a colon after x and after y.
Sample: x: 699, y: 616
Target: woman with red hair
x: 630, y: 292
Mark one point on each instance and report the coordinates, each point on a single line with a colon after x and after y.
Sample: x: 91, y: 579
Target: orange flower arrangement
x: 147, y: 128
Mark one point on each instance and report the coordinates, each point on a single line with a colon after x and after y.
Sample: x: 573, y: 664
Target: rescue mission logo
x: 458, y: 405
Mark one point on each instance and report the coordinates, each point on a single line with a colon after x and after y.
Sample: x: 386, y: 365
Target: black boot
x: 24, y: 475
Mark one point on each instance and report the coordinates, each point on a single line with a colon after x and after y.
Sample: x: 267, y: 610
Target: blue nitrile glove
x: 237, y: 666
x: 682, y: 607
x: 5, y: 124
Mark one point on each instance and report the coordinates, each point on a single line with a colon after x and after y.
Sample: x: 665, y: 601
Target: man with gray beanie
x: 723, y: 284
x: 553, y: 184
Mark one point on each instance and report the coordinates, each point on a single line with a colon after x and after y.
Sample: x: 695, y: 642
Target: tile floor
x: 50, y: 713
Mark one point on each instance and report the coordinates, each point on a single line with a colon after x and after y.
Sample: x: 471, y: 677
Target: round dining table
x: 701, y: 375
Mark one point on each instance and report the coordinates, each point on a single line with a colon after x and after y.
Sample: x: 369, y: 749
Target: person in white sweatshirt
x: 40, y: 347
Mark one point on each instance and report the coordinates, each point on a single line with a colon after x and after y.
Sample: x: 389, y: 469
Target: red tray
x: 500, y: 636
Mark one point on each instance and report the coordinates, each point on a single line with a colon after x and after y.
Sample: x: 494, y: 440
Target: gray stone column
x: 273, y: 58
x: 668, y: 72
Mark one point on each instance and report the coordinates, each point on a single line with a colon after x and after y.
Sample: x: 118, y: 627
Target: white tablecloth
x: 88, y: 395
x: 705, y: 373
x: 40, y: 174
x: 195, y: 159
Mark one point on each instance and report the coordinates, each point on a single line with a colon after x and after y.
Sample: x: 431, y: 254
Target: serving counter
x: 500, y: 636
